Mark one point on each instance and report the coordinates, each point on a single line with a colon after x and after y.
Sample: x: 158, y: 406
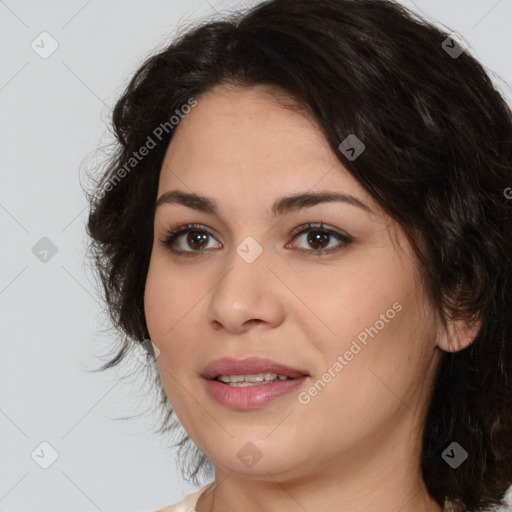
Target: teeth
x: 244, y: 384
x: 249, y: 379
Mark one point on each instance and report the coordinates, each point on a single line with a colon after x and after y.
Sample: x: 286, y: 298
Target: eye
x: 319, y: 239
x: 197, y: 238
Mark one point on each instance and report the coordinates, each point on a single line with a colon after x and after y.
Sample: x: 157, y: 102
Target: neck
x: 371, y: 485
x: 275, y: 496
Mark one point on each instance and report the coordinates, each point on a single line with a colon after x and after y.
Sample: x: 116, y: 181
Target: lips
x: 249, y: 366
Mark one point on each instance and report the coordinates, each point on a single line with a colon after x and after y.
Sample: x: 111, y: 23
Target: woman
x: 307, y: 216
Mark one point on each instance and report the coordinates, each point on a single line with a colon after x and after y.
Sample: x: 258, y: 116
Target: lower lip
x: 251, y: 397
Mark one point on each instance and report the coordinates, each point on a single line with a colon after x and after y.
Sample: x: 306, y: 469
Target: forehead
x: 234, y: 122
x: 249, y: 135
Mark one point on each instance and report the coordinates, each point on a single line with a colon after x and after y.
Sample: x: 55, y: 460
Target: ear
x: 458, y: 334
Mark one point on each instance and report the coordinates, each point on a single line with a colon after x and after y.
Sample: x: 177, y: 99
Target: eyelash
x: 172, y: 235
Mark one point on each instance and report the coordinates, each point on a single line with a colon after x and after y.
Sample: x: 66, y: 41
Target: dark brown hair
x: 438, y: 160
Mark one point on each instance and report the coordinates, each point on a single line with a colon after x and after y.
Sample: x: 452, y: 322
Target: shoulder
x: 177, y: 507
x: 187, y: 504
x: 169, y: 508
x: 182, y: 506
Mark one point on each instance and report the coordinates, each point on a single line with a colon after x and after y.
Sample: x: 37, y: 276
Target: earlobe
x: 458, y: 334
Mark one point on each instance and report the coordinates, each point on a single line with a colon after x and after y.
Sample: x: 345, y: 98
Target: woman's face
x: 342, y: 304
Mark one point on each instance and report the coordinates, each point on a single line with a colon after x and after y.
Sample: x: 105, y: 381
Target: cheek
x: 168, y: 300
x: 173, y: 305
x: 384, y: 360
x: 373, y: 318
x: 350, y: 301
x: 155, y: 303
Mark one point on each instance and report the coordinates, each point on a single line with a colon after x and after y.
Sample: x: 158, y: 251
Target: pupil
x: 317, y: 237
x: 195, y: 238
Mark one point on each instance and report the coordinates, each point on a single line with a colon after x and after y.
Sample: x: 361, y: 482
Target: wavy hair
x: 438, y: 160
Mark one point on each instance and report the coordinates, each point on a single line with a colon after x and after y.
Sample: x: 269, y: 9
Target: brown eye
x: 319, y: 241
x: 197, y: 239
x: 319, y: 238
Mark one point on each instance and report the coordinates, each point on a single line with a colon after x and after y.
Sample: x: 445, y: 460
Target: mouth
x: 251, y: 370
x: 250, y: 383
x: 257, y: 379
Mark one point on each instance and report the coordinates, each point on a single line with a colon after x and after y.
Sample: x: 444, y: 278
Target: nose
x: 247, y: 295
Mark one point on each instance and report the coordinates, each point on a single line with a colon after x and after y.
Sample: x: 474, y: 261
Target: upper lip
x: 248, y: 366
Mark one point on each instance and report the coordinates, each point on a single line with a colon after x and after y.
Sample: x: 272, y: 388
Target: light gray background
x: 54, y: 113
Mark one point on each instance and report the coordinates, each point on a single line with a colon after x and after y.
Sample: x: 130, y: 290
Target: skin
x: 356, y: 445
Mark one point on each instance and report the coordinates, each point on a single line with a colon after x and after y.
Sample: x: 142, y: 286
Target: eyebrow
x: 281, y: 206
